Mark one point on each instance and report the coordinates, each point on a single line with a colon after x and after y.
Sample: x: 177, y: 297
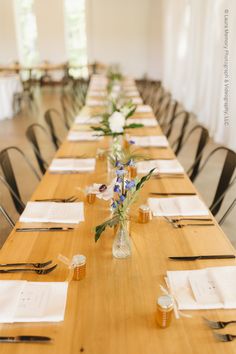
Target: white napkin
x: 137, y: 100
x: 23, y: 301
x: 80, y: 165
x: 87, y: 120
x: 207, y: 288
x: 179, y: 206
x: 91, y: 102
x: 149, y: 141
x: 71, y: 213
x: 83, y: 136
x: 132, y: 93
x: 143, y: 109
x: 162, y: 166
x: 97, y: 93
x: 147, y: 122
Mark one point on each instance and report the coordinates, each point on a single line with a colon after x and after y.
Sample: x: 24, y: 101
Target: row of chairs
x: 71, y: 103
x: 181, y: 127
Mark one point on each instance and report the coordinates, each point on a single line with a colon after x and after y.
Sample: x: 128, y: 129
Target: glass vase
x: 121, y: 247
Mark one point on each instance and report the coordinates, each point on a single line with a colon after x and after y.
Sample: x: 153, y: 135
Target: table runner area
x: 112, y: 310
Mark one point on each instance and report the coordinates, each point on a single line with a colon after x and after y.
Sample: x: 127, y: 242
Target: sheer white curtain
x: 194, y: 54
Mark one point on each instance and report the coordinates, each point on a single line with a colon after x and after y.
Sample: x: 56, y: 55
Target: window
x: 26, y: 32
x: 76, y: 43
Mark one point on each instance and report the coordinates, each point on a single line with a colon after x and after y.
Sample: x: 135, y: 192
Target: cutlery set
x: 71, y: 199
x: 219, y: 325
x: 176, y: 223
x: 25, y: 339
x: 42, y: 229
x: 38, y: 268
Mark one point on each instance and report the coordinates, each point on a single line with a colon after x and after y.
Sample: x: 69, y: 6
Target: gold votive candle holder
x: 79, y: 265
x: 164, y: 311
x: 144, y: 214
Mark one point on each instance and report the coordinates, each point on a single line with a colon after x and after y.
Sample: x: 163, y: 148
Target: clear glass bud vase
x: 121, y: 247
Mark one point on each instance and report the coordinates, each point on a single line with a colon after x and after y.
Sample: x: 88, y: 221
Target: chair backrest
x: 68, y: 113
x: 185, y: 117
x: 9, y: 175
x: 6, y: 216
x: 227, y: 172
x: 202, y: 141
x: 48, y: 116
x: 32, y: 137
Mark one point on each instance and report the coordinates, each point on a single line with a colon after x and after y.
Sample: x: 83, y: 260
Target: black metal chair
x: 225, y: 179
x: 49, y: 117
x: 182, y: 118
x: 9, y: 175
x: 228, y: 211
x: 32, y: 137
x: 7, y: 216
x: 202, y: 142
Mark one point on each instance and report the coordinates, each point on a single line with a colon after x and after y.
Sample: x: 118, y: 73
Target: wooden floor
x: 12, y: 132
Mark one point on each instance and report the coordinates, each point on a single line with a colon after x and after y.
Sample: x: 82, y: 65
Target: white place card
x: 23, y: 301
x: 73, y: 165
x: 178, y: 206
x: 150, y: 141
x: 162, y: 166
x: 68, y: 213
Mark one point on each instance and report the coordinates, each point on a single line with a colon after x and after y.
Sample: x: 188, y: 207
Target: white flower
x: 117, y: 122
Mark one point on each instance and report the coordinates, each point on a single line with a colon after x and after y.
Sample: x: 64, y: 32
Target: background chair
x: 32, y: 137
x: 55, y: 122
x: 7, y: 163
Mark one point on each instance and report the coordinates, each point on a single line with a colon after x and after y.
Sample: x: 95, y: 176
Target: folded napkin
x: 80, y: 165
x: 179, y: 206
x: 147, y: 122
x: 97, y: 93
x: 23, y: 301
x: 143, y: 109
x: 150, y: 141
x: 132, y: 93
x: 207, y: 288
x: 68, y: 213
x: 137, y: 100
x: 162, y: 166
x: 87, y: 120
x: 91, y: 102
x: 83, y: 136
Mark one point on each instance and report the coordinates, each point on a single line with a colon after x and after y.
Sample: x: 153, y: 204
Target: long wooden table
x: 112, y: 311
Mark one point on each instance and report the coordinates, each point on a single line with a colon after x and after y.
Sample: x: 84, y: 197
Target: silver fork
x: 38, y: 271
x: 217, y: 324
x: 180, y: 226
x: 35, y: 265
x: 224, y: 337
x: 58, y: 200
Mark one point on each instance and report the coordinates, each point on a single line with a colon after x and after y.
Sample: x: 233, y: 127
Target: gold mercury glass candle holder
x: 79, y: 266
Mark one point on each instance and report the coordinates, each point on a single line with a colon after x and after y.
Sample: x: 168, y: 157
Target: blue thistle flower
x: 122, y: 198
x: 117, y: 188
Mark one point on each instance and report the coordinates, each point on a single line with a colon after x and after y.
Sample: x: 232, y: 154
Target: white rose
x: 116, y: 122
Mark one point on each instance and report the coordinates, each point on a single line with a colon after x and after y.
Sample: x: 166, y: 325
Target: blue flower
x: 129, y: 184
x: 122, y: 198
x: 120, y: 172
x: 117, y: 164
x: 131, y: 142
x: 119, y: 179
x: 117, y: 188
x: 113, y: 205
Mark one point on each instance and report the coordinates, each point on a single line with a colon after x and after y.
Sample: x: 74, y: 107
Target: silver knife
x: 35, y: 229
x: 26, y: 339
x: 194, y: 258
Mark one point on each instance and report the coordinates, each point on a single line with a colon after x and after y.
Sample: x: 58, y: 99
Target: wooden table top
x: 112, y: 311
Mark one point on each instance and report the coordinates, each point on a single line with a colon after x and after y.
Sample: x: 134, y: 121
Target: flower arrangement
x: 125, y: 194
x: 114, y: 123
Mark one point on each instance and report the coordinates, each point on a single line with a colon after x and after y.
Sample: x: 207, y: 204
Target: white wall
x: 50, y: 24
x: 8, y: 45
x: 125, y: 31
